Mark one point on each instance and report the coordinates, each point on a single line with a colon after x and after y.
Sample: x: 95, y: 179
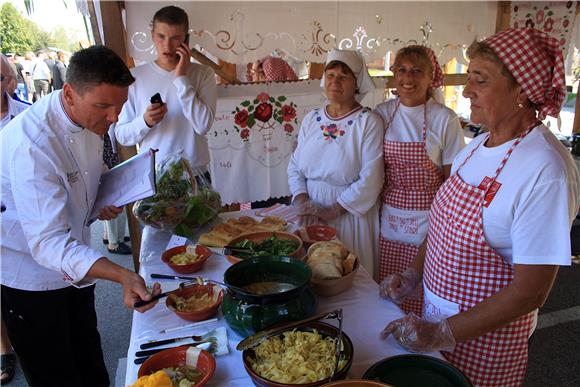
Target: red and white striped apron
x: 411, y: 181
x: 462, y: 268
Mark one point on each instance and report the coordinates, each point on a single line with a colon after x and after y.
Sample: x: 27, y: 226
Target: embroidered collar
x: 356, y: 109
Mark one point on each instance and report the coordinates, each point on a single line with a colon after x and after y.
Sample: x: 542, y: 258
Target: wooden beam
x: 503, y: 18
x: 115, y: 38
x: 576, y: 125
x: 219, y: 70
x: 315, y: 70
x: 94, y: 22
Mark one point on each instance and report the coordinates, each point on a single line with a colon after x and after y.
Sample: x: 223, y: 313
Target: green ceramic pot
x: 247, y: 314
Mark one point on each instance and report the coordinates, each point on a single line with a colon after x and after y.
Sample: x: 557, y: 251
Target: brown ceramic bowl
x: 176, y: 357
x: 322, y: 328
x: 202, y: 252
x: 214, y: 292
x: 261, y: 236
x: 332, y: 287
x: 355, y: 383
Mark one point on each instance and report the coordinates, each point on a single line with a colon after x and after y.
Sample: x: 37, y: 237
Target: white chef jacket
x: 191, y: 102
x: 49, y: 178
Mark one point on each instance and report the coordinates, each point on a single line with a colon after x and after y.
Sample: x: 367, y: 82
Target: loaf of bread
x: 326, y: 259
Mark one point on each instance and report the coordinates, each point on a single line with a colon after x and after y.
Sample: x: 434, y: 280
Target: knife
x: 182, y: 285
x: 165, y: 276
x: 150, y: 352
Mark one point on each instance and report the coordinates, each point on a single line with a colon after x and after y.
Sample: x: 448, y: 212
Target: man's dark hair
x: 95, y: 65
x: 171, y: 15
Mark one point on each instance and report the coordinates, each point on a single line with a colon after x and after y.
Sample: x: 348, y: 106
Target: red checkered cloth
x: 535, y: 60
x: 276, y: 69
x: 438, y: 76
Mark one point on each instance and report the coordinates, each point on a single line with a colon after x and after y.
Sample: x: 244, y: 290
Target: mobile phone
x: 156, y: 99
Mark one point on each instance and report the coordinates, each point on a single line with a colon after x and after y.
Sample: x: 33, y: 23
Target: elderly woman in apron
x: 422, y: 138
x: 499, y: 226
x: 335, y: 174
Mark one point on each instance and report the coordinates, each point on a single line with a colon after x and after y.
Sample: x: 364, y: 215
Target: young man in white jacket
x: 51, y: 163
x: 188, y: 92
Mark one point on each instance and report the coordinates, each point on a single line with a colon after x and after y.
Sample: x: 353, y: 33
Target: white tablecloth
x: 365, y: 315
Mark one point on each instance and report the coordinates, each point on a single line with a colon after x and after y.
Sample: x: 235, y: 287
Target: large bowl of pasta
x: 304, y: 356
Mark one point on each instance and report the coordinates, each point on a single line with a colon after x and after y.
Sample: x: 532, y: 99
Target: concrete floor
x: 554, y: 351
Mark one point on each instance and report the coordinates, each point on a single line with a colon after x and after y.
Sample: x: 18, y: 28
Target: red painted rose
x: 288, y: 128
x: 540, y: 16
x: 548, y: 25
x: 241, y: 118
x: 288, y: 113
x: 263, y: 97
x: 566, y: 23
x: 263, y: 112
x: 244, y: 134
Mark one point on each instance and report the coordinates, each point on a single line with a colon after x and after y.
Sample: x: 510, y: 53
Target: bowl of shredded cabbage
x: 186, y: 259
x: 303, y: 356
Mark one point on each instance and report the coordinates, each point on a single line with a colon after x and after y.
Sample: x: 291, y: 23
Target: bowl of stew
x: 184, y: 262
x: 195, y: 303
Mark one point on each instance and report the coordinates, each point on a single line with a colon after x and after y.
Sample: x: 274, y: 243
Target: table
x: 365, y: 315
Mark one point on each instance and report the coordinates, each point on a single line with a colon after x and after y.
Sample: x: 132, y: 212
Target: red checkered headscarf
x: 535, y: 60
x: 438, y: 76
x: 276, y: 69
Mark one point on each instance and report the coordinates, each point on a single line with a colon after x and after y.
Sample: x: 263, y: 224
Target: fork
x: 206, y: 336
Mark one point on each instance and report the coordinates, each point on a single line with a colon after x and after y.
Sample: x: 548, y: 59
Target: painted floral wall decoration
x: 553, y: 17
x: 265, y: 114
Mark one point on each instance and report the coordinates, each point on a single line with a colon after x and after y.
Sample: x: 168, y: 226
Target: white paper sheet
x: 132, y: 180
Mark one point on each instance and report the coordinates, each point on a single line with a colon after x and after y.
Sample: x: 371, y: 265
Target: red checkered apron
x: 411, y: 181
x: 461, y: 267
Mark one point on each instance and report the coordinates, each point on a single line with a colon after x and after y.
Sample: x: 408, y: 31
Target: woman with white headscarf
x: 336, y: 172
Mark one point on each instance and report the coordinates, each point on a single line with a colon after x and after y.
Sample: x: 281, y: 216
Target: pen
x: 188, y: 326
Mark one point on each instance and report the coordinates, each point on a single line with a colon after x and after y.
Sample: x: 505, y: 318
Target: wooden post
x: 502, y: 20
x: 315, y: 70
x: 115, y: 38
x: 576, y: 125
x: 219, y: 70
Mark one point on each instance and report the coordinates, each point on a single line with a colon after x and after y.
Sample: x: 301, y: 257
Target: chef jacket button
x: 86, y: 172
x: 71, y: 141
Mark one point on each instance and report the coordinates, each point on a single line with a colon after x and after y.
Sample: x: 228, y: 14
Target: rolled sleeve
x: 41, y: 200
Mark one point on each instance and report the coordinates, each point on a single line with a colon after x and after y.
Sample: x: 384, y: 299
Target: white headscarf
x: 356, y: 63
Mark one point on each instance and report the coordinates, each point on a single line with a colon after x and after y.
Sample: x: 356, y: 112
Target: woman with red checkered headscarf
x: 271, y: 69
x: 499, y: 226
x: 422, y: 137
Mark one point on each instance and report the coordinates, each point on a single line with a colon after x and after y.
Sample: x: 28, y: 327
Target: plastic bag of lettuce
x: 184, y: 200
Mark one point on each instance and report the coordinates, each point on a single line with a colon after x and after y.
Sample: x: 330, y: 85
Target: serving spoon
x: 204, y: 281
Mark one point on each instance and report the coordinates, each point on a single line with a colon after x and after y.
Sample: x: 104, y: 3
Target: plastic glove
x: 418, y: 335
x: 325, y: 213
x: 400, y: 286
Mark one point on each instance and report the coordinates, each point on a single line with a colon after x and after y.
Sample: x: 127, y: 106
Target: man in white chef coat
x: 51, y: 162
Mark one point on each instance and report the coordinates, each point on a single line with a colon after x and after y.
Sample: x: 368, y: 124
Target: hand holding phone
x: 156, y: 99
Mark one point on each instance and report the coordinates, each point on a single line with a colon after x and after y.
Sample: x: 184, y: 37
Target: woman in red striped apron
x: 499, y: 226
x: 421, y: 140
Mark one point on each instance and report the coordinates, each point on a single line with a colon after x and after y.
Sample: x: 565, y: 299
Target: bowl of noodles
x: 180, y: 366
x: 186, y: 259
x: 303, y: 356
x: 195, y: 303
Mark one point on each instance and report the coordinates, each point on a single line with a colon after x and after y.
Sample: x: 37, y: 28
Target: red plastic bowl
x: 316, y: 233
x: 203, y: 253
x: 175, y: 357
x: 202, y: 314
x: 260, y: 236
